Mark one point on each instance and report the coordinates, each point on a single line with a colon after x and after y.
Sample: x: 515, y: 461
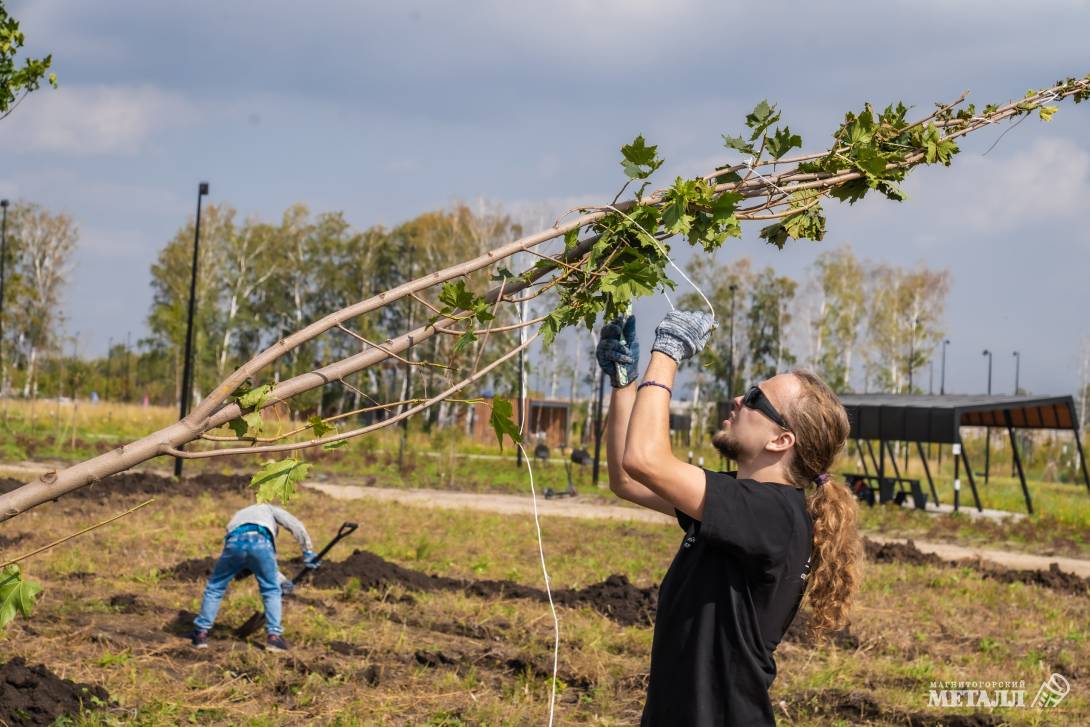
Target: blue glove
x: 286, y: 586
x: 682, y: 334
x: 310, y: 559
x: 618, y: 351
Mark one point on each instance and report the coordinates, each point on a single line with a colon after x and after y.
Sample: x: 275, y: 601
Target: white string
x: 548, y: 587
x: 537, y: 523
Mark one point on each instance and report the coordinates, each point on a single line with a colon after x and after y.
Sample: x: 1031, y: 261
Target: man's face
x: 747, y: 432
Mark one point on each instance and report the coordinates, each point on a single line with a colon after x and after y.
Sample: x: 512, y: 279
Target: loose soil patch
x: 34, y: 695
x: 615, y: 597
x: 1053, y: 578
x: 144, y: 483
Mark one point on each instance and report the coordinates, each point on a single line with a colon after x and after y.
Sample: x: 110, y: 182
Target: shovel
x: 255, y: 621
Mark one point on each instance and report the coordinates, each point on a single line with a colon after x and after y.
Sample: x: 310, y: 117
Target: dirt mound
x: 1053, y: 578
x: 33, y: 695
x: 900, y: 553
x: 614, y: 597
x: 143, y: 483
x: 374, y: 571
x: 194, y: 569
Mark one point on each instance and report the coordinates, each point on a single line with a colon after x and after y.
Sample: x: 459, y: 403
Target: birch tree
x: 44, y: 243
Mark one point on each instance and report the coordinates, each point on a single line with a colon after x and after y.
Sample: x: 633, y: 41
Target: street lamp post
x: 988, y: 430
x: 912, y: 351
x: 3, y: 256
x: 187, y: 364
x: 1017, y: 365
x: 942, y: 375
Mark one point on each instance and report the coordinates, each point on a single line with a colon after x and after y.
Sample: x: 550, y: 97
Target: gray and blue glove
x: 618, y: 351
x: 682, y: 334
x: 286, y: 586
x: 310, y: 559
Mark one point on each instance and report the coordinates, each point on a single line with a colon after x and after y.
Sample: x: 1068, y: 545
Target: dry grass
x: 448, y: 658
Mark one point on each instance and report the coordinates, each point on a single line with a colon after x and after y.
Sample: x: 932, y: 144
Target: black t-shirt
x: 729, y: 596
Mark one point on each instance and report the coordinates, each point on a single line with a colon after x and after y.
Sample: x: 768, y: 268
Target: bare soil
x: 615, y: 597
x: 34, y: 695
x: 908, y: 553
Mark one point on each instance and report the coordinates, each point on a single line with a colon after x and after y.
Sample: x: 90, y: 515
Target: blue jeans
x: 252, y: 551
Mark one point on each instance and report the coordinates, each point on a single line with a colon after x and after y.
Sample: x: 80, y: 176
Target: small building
x: 549, y: 417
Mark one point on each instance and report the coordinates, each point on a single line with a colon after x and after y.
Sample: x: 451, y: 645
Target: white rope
x: 548, y: 586
x: 537, y: 521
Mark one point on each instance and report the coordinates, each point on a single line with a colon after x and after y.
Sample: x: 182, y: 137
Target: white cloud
x: 92, y: 120
x: 1047, y: 181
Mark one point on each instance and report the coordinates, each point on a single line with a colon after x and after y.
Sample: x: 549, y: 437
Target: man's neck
x: 773, y: 472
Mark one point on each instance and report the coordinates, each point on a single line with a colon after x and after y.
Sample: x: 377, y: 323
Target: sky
x: 387, y: 110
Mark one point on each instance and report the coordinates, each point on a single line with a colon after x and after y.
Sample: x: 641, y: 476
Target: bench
x: 884, y: 489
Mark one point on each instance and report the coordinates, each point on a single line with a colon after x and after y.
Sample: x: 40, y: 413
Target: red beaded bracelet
x: 655, y: 383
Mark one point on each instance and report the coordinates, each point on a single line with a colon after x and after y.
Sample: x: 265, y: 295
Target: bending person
x: 754, y: 540
x: 251, y: 545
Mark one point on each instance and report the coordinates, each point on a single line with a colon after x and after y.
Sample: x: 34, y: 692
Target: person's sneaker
x: 276, y: 643
x: 199, y: 639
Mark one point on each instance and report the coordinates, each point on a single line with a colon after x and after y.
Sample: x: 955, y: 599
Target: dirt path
x: 577, y: 508
x: 491, y: 502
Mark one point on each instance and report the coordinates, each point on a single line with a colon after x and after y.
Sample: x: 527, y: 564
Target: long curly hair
x: 821, y: 428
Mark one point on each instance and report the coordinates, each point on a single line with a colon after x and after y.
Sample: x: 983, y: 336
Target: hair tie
x: 821, y: 479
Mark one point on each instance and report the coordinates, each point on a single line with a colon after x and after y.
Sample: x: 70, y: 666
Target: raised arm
x: 648, y: 457
x: 618, y: 354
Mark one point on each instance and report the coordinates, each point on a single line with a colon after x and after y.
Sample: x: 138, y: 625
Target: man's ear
x: 782, y: 442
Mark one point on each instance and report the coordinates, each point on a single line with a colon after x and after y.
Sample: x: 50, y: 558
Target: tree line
x: 860, y: 325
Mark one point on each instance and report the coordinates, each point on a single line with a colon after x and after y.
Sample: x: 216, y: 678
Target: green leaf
x: 1046, y: 112
x: 640, y: 161
x: 320, y: 427
x: 455, y: 296
x: 738, y: 143
x: 505, y: 274
x: 16, y: 595
x: 762, y: 116
x: 550, y: 327
x: 255, y: 398
x: 501, y: 421
x: 782, y: 141
x: 247, y: 425
x: 467, y: 338
x: 336, y: 444
x: 674, y: 218
x: 775, y: 234
x: 632, y: 280
x: 277, y: 479
x: 851, y: 191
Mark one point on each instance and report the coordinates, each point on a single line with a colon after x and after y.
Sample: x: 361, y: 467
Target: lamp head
x: 202, y: 188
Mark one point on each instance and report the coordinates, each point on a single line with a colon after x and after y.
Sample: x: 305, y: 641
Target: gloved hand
x: 310, y: 559
x: 286, y: 586
x: 618, y: 351
x: 682, y: 334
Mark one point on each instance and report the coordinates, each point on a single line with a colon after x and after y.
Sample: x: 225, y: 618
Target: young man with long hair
x: 756, y: 541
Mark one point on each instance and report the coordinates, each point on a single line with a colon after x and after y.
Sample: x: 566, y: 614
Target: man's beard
x: 727, y: 444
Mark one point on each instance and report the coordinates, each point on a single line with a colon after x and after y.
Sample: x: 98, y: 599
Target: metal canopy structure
x: 938, y: 419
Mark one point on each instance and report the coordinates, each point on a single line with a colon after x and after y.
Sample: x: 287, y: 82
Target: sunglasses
x: 755, y: 399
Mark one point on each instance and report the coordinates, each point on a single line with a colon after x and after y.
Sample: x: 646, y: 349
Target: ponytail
x: 821, y: 428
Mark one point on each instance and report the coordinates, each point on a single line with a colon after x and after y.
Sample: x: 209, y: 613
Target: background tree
x: 769, y: 314
x: 834, y: 315
x: 43, y: 243
x: 904, y: 323
x: 715, y: 279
